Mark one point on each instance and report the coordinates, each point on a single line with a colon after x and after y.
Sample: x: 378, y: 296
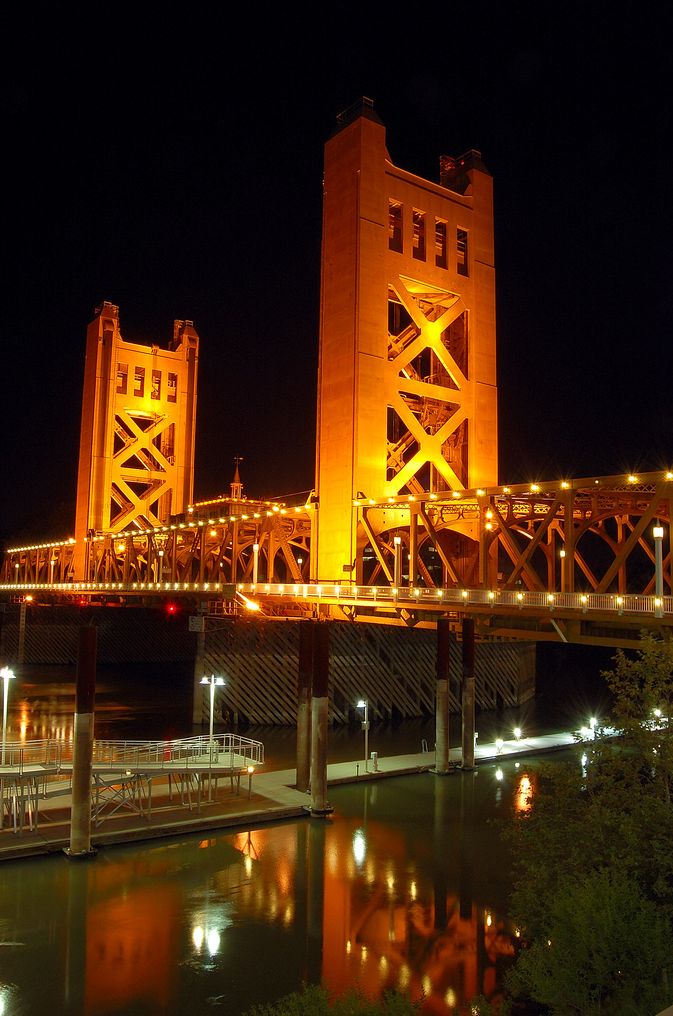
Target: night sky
x: 172, y: 164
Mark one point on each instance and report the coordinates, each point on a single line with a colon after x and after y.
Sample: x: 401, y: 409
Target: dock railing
x: 222, y: 751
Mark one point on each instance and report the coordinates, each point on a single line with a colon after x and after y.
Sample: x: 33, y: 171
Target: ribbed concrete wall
x: 393, y: 668
x: 131, y: 635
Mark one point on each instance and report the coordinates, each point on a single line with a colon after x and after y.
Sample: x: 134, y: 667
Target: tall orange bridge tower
x: 407, y: 399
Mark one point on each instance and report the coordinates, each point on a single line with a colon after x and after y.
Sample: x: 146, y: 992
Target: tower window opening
x: 156, y: 384
x: 440, y: 243
x: 395, y: 226
x: 418, y: 246
x: 461, y: 252
x: 172, y: 387
x: 122, y: 378
x: 139, y: 382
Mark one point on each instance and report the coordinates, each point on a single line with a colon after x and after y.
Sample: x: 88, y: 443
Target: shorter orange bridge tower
x: 136, y: 454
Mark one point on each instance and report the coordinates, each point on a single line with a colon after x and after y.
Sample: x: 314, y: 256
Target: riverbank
x: 268, y: 797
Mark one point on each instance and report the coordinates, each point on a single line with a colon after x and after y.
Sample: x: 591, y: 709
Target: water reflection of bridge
x: 365, y: 900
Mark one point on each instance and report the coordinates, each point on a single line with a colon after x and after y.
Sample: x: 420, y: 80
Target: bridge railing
x: 626, y: 603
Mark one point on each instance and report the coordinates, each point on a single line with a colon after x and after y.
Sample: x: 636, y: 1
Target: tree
x: 642, y: 688
x: 606, y: 951
x: 602, y: 821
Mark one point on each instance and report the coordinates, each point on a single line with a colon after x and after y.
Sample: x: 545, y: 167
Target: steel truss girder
x: 221, y: 553
x: 605, y: 536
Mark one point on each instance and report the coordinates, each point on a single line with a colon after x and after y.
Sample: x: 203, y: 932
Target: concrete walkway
x: 271, y: 796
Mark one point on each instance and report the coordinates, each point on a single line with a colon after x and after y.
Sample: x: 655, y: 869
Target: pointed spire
x: 236, y: 485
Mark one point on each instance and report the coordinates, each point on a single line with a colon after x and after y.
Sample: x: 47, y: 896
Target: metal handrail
x: 222, y: 751
x: 627, y: 603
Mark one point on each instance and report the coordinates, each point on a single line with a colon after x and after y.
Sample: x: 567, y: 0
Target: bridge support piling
x: 319, y: 703
x: 442, y: 697
x: 306, y: 640
x: 468, y: 695
x: 82, y: 764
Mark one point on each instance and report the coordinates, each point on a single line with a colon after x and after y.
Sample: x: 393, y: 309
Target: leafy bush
x: 606, y: 952
x: 314, y: 1001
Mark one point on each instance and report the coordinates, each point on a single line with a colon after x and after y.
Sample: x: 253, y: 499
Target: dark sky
x: 172, y: 163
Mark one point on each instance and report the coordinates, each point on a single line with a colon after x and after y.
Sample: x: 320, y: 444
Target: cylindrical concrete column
x: 442, y: 699
x: 82, y: 765
x: 319, y: 701
x: 468, y: 694
x: 306, y: 638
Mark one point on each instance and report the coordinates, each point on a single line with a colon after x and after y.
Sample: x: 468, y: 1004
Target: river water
x: 404, y: 887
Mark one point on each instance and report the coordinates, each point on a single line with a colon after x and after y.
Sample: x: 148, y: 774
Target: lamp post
x: 364, y: 704
x: 213, y: 682
x: 562, y: 555
x: 161, y: 566
x: 658, y: 534
x: 255, y: 563
x: 397, y: 573
x: 7, y: 675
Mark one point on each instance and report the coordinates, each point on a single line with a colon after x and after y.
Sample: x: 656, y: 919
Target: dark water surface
x: 404, y: 887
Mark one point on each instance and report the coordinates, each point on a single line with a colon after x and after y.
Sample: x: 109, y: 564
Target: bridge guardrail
x: 626, y: 603
x: 633, y: 603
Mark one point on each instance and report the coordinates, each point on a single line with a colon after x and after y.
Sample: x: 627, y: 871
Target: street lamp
x: 364, y: 704
x: 397, y: 566
x: 658, y: 534
x: 7, y: 675
x: 214, y: 682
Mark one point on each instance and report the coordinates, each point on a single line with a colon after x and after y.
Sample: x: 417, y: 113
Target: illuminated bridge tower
x: 136, y: 456
x: 407, y: 399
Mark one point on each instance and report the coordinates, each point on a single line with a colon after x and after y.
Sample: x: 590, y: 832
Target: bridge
x: 577, y: 560
x: 406, y: 523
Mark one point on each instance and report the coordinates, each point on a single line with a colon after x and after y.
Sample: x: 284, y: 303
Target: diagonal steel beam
x: 633, y: 540
x: 433, y: 533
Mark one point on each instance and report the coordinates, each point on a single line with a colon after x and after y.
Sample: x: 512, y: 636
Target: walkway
x: 262, y: 797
